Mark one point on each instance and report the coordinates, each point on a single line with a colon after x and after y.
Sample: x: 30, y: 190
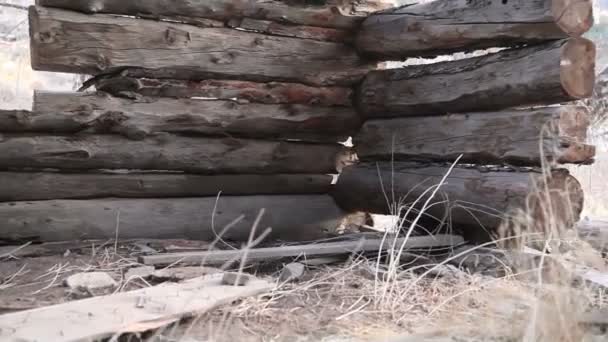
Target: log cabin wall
x: 200, y: 113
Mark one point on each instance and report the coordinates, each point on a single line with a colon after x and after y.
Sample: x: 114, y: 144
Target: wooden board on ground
x: 128, y: 312
x: 65, y: 41
x: 549, y: 73
x: 478, y: 202
x: 510, y: 136
x: 447, y: 26
x: 242, y: 91
x: 55, y: 185
x: 304, y: 251
x: 167, y: 152
x: 291, y: 217
x: 137, y: 118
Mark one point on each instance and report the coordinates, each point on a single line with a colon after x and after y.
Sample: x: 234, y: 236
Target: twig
x: 19, y: 7
x: 11, y: 253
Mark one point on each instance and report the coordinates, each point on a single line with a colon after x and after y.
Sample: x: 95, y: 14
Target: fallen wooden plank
x: 549, y: 73
x: 305, y: 251
x: 291, y: 217
x: 66, y: 41
x: 166, y: 152
x: 443, y: 27
x: 129, y: 312
x: 54, y: 185
x: 523, y: 137
x: 481, y: 203
x: 242, y: 91
x: 63, y: 113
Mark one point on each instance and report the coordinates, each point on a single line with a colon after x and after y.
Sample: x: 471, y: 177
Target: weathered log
x: 65, y: 41
x: 138, y: 118
x: 472, y: 200
x: 295, y: 217
x: 543, y: 74
x: 447, y: 26
x: 521, y: 137
x: 243, y: 91
x: 334, y: 14
x: 167, y: 152
x: 296, y: 31
x: 34, y: 186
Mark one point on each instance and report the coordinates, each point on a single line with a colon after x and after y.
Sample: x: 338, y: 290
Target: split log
x: 443, y: 27
x: 475, y: 201
x: 296, y: 31
x: 138, y: 118
x: 333, y: 14
x: 65, y: 41
x: 34, y: 186
x: 521, y: 137
x: 294, y: 217
x: 554, y: 72
x: 166, y: 152
x: 242, y: 91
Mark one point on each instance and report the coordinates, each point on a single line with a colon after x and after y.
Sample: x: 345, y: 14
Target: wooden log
x: 543, y: 74
x: 242, y: 91
x: 522, y: 137
x: 333, y: 14
x: 34, y: 186
x: 295, y: 31
x: 446, y: 26
x: 138, y: 118
x: 65, y: 41
x: 293, y: 217
x: 475, y: 201
x: 166, y: 152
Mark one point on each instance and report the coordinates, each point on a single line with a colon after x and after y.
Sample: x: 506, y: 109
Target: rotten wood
x: 480, y: 202
x: 549, y: 73
x: 103, y: 317
x: 295, y: 31
x: 242, y: 91
x: 54, y: 185
x: 304, y: 251
x: 443, y: 27
x: 522, y: 137
x: 290, y: 217
x: 164, y: 152
x: 66, y: 41
x: 138, y: 118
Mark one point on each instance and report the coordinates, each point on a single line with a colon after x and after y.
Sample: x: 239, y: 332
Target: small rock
x: 235, y: 279
x: 90, y: 281
x: 292, y: 272
x: 140, y: 272
x: 183, y: 273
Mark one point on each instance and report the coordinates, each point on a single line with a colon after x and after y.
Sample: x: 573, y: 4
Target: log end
x: 574, y: 17
x: 578, y: 68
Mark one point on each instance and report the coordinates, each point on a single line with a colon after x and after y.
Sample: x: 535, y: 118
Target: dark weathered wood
x: 26, y: 186
x: 303, y: 251
x: 66, y: 41
x: 476, y: 201
x: 446, y: 26
x: 296, y: 31
x: 140, y: 117
x: 294, y: 217
x: 524, y: 137
x: 167, y: 152
x: 549, y: 73
x: 243, y: 91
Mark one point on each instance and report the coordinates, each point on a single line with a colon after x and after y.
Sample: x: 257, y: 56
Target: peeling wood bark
x: 554, y: 72
x: 243, y: 91
x: 171, y: 153
x: 291, y: 217
x: 136, y: 119
x: 65, y: 41
x: 447, y: 26
x: 478, y: 203
x: 296, y: 31
x: 521, y: 137
x: 36, y: 186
